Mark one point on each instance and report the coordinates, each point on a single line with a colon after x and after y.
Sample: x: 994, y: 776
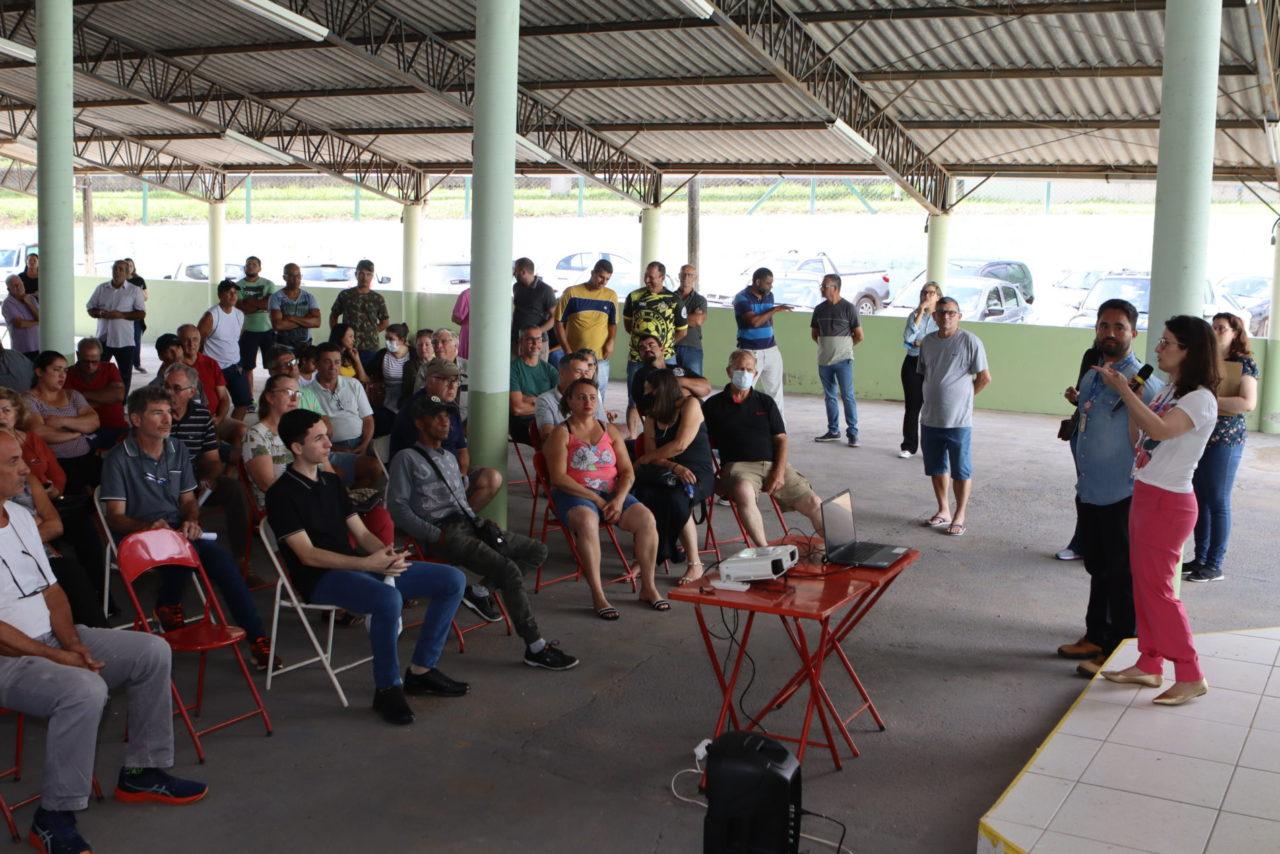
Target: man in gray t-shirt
x: 694, y: 305
x: 953, y: 363
x: 836, y: 329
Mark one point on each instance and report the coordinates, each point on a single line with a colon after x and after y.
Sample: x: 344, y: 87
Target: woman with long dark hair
x: 64, y: 419
x: 1216, y: 473
x: 1169, y: 438
x: 344, y: 335
x: 675, y: 472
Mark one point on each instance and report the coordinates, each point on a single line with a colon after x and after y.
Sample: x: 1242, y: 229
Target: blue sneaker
x: 151, y: 785
x: 54, y: 832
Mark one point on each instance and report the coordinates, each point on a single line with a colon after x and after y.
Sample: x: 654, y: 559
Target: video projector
x: 762, y: 564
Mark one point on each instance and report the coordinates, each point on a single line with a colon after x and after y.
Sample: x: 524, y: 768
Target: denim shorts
x: 946, y: 451
x: 564, y: 502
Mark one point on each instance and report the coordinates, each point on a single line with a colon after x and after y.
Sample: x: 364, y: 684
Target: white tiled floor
x: 1120, y: 774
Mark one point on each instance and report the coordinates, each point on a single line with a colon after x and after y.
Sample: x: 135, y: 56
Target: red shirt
x: 210, y: 378
x: 43, y: 464
x: 109, y: 414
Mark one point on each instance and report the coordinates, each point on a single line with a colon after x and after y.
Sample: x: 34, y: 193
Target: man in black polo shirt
x: 748, y: 430
x: 533, y: 303
x: 312, y: 516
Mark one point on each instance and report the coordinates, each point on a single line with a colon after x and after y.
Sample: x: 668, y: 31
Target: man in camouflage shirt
x: 364, y: 309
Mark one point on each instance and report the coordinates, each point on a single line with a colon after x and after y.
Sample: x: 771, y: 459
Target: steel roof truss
x: 18, y: 176
x: 778, y: 39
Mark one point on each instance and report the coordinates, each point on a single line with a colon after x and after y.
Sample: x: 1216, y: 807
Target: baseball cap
x: 429, y: 406
x: 439, y: 367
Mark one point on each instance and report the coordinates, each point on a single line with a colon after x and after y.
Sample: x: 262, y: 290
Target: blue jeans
x: 837, y: 379
x: 602, y: 378
x: 366, y: 593
x: 1212, y: 482
x: 690, y: 358
x: 223, y: 574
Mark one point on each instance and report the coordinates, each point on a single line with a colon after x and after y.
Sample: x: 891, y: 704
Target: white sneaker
x: 1068, y: 554
x: 904, y: 455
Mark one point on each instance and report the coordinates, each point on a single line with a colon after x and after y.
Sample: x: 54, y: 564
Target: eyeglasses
x: 950, y: 312
x: 22, y: 592
x: 292, y: 363
x: 291, y: 392
x: 178, y: 389
x: 1165, y: 342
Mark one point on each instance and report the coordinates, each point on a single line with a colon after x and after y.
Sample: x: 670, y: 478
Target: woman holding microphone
x: 919, y: 324
x: 1169, y: 438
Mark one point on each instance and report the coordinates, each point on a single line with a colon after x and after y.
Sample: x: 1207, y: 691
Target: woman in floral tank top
x: 1216, y: 473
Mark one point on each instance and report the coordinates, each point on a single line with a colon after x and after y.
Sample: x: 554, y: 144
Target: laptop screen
x: 837, y: 521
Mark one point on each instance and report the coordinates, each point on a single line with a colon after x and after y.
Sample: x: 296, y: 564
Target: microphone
x: 1139, y: 380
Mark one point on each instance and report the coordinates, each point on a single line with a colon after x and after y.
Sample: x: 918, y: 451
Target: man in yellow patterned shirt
x: 651, y: 310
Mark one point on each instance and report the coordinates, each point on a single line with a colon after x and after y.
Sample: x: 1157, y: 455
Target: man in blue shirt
x: 1104, y: 488
x: 753, y: 309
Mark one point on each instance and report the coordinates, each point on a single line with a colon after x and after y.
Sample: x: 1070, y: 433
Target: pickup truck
x: 796, y: 278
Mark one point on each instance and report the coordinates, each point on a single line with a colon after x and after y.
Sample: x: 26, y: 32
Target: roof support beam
x: 171, y: 86
x: 124, y: 155
x: 1264, y: 32
x: 1106, y: 71
x: 1061, y: 124
x: 775, y: 37
x: 421, y: 60
x: 18, y: 176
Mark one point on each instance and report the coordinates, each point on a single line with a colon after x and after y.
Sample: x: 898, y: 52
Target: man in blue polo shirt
x: 1104, y: 489
x: 753, y: 309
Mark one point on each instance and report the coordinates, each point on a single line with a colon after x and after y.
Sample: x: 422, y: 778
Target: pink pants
x: 1159, y: 523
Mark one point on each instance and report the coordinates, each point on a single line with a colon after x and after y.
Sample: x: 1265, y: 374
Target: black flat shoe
x: 433, y: 683
x: 392, y: 706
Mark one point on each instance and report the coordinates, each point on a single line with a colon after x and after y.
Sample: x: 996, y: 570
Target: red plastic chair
x: 256, y: 516
x: 14, y: 771
x: 711, y: 543
x: 460, y: 631
x: 144, y: 551
x: 535, y: 442
x: 549, y: 521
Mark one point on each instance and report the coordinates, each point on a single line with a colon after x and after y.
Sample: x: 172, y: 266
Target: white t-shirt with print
x: 1170, y: 464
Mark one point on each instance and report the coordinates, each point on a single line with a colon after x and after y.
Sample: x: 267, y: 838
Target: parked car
x: 1254, y: 295
x: 980, y: 298
x: 796, y: 280
x: 199, y: 272
x: 336, y: 275
x: 1016, y: 272
x: 1136, y: 288
x: 574, y: 269
x: 451, y: 277
x: 13, y: 258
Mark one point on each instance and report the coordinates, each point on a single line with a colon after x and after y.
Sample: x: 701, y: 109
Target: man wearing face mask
x: 753, y: 309
x: 747, y: 428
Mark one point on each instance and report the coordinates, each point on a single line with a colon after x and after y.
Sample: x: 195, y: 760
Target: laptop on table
x: 840, y: 530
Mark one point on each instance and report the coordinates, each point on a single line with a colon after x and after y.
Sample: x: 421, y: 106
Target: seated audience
x: 442, y: 381
x: 265, y: 455
x: 446, y: 347
x: 675, y: 472
x: 65, y: 420
x: 193, y: 427
x: 531, y: 376
x: 344, y: 336
x: 591, y: 479
x: 343, y: 400
x: 652, y: 360
x: 213, y: 387
x: 55, y: 669
x: 546, y: 409
x: 747, y: 430
x: 283, y: 362
x: 148, y: 482
x: 16, y: 371
x: 428, y: 502
x: 386, y: 377
x: 415, y: 372
x: 101, y: 385
x: 169, y: 350
x: 78, y: 528
x: 307, y: 356
x: 311, y: 515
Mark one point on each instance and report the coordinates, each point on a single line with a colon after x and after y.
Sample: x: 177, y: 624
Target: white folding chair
x: 287, y: 598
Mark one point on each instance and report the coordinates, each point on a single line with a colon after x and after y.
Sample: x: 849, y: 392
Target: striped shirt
x: 196, y: 432
x: 587, y: 316
x: 753, y: 337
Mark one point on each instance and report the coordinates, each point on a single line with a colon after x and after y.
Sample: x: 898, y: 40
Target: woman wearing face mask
x: 919, y: 324
x: 591, y: 477
x: 386, y: 378
x: 676, y: 472
x: 1169, y: 439
x: 345, y: 337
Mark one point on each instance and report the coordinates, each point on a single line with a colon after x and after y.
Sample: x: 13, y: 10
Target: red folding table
x: 810, y: 591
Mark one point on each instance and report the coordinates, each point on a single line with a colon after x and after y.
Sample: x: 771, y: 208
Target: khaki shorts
x: 795, y: 486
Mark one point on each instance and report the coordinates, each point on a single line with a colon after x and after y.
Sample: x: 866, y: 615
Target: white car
x: 1136, y: 288
x: 198, y: 271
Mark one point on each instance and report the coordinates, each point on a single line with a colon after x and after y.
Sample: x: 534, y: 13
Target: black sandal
x: 609, y: 613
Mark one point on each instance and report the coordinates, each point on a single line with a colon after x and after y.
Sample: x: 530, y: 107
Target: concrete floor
x: 959, y: 657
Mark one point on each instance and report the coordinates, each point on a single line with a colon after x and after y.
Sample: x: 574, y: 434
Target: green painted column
x: 411, y: 223
x: 1184, y: 174
x: 248, y: 200
x: 492, y: 220
x: 146, y: 193
x: 55, y: 175
x: 650, y: 236
x: 217, y: 219
x: 1269, y: 399
x: 936, y: 266
x: 694, y: 251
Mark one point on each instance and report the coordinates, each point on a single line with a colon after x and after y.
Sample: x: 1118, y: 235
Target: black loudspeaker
x: 753, y: 797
